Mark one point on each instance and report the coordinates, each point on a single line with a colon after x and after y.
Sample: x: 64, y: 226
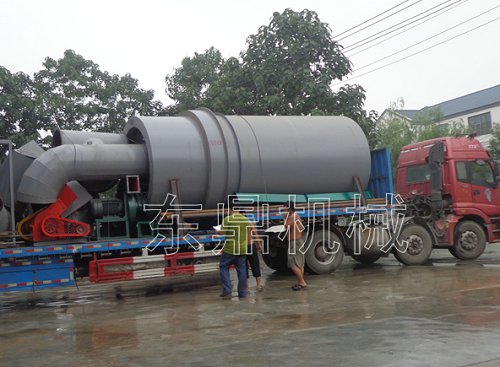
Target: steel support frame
x: 11, y: 184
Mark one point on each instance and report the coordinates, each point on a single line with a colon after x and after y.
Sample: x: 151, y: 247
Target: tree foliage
x: 77, y: 95
x: 287, y: 68
x: 188, y: 84
x: 69, y: 93
x: 394, y: 135
x: 293, y: 62
x: 233, y: 91
x: 18, y: 108
x: 494, y: 148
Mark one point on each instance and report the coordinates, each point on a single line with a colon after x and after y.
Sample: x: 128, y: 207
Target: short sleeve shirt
x: 234, y: 228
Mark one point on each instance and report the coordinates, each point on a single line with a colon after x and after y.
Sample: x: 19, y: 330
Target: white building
x: 478, y: 110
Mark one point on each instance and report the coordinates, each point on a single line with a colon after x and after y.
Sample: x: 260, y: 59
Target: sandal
x: 298, y: 287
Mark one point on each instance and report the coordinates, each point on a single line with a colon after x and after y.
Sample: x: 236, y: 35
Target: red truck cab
x: 452, y: 182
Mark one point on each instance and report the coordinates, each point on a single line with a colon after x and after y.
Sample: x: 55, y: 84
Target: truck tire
x: 366, y: 258
x: 325, y: 252
x: 419, y: 245
x: 470, y: 241
x: 367, y: 255
x: 276, y: 259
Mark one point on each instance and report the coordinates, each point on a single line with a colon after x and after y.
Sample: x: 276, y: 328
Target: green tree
x: 293, y: 62
x: 18, y: 107
x: 368, y: 123
x: 287, y: 68
x: 76, y: 94
x: 494, y: 148
x: 349, y: 101
x: 232, y: 93
x: 188, y: 84
x: 428, y: 125
x: 395, y: 133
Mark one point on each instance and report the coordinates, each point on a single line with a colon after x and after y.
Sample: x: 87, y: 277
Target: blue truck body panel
x: 35, y: 273
x: 381, y: 173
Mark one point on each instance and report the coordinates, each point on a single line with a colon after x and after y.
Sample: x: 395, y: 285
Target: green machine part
x: 133, y: 214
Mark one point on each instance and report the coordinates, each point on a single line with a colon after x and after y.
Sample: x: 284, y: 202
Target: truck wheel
x: 367, y: 255
x: 419, y: 245
x: 470, y: 241
x: 325, y: 252
x: 366, y: 258
x: 276, y: 259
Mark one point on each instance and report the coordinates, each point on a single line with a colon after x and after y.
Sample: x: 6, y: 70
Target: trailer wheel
x: 419, y: 245
x: 367, y: 258
x: 276, y: 259
x: 325, y: 252
x: 470, y: 241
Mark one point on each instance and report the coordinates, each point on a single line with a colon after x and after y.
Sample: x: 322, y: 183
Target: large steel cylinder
x: 213, y: 155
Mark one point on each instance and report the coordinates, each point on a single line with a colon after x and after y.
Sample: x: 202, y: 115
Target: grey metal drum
x: 213, y: 155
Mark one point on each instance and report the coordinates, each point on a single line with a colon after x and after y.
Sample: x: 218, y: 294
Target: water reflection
x: 132, y: 320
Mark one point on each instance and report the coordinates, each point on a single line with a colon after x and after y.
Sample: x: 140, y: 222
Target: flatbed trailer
x: 46, y: 266
x: 31, y: 268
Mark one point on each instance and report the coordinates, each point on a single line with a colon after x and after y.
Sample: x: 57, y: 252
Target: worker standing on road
x: 296, y: 260
x: 235, y: 228
x: 253, y: 262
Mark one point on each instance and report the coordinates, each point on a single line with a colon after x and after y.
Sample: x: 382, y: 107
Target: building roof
x: 402, y: 114
x: 468, y: 103
x: 476, y: 101
x: 407, y: 113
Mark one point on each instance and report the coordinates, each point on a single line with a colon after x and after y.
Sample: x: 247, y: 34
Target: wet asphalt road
x: 443, y: 314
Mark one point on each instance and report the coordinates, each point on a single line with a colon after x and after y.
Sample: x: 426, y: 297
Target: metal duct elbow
x: 47, y: 175
x: 21, y: 160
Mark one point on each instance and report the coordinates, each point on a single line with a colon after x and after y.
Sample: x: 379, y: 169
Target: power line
x: 406, y: 30
x: 378, y: 21
x: 402, y: 24
x: 428, y: 38
x: 419, y: 52
x: 374, y: 17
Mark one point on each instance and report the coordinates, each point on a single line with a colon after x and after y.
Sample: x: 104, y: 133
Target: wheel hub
x: 468, y: 240
x: 415, y: 244
x: 324, y: 252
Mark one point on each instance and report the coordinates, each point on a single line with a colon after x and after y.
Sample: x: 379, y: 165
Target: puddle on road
x: 36, y: 301
x: 130, y: 321
x: 100, y: 294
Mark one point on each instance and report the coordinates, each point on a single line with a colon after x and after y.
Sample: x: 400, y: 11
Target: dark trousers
x: 239, y: 262
x: 253, y: 261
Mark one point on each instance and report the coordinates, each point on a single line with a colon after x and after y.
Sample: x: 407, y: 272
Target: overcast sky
x: 149, y: 38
